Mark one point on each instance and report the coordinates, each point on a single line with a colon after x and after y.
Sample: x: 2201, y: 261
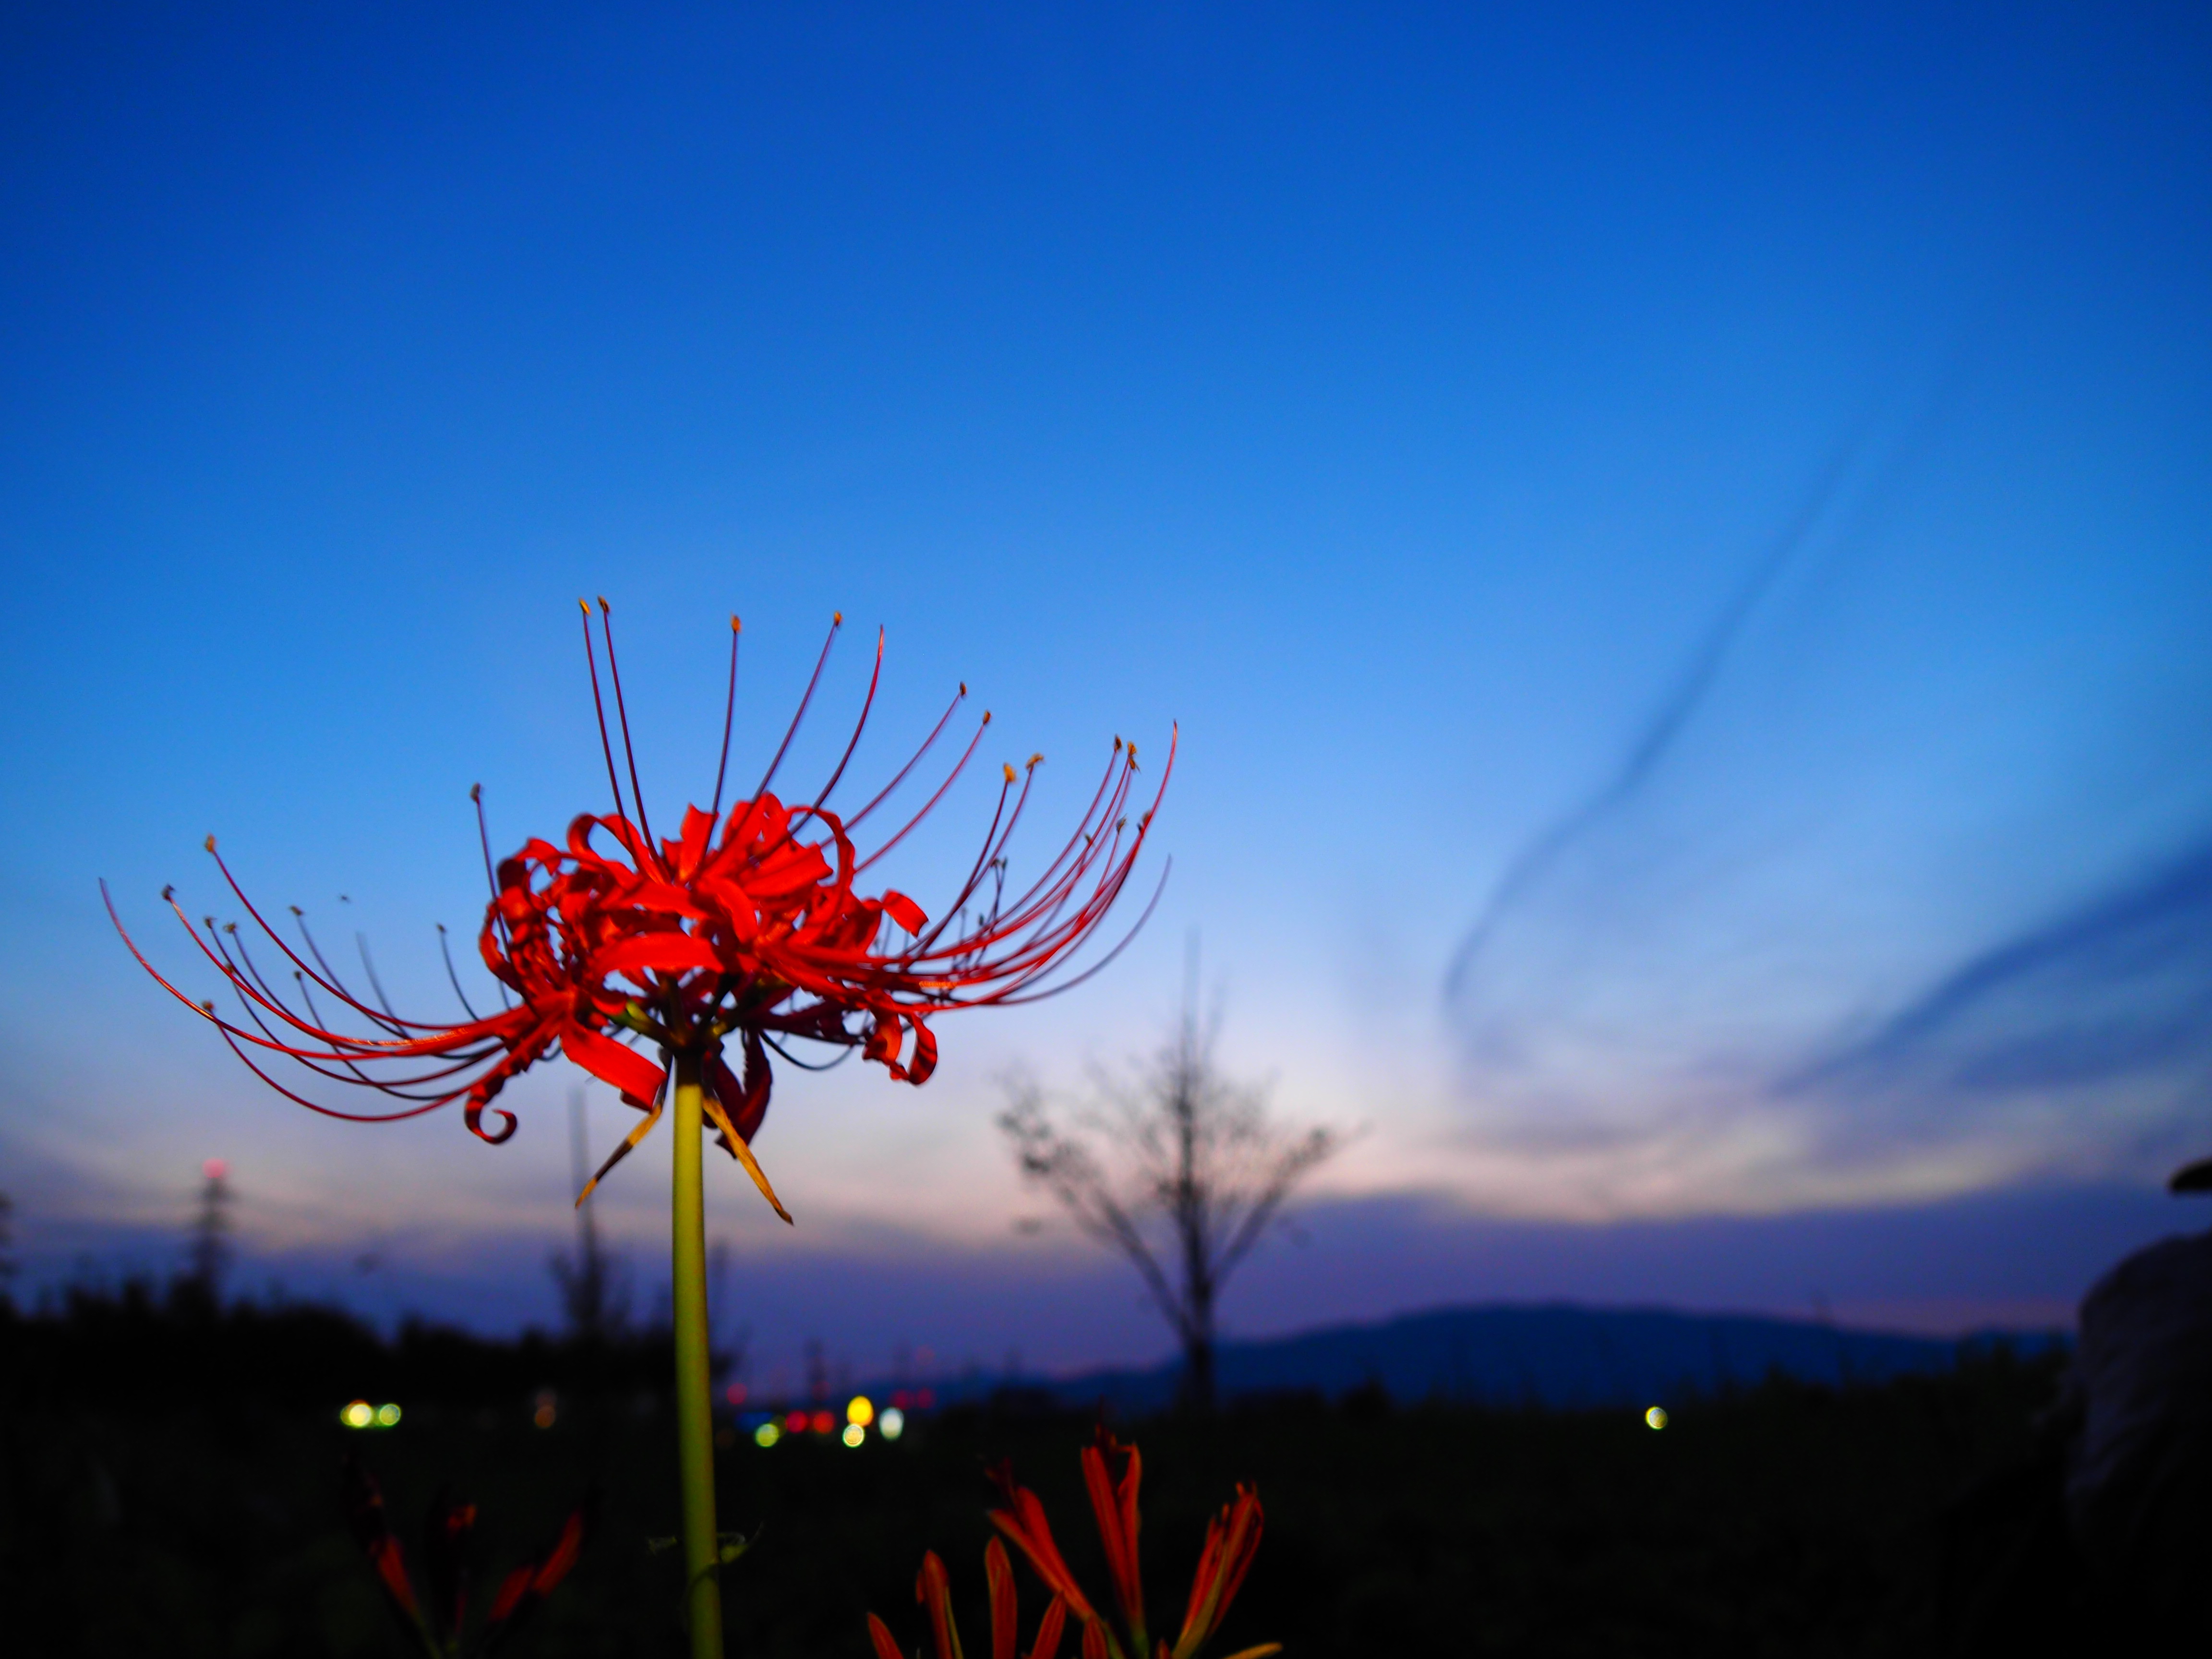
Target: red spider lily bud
x: 1232, y: 1539
x: 998, y: 1573
x: 1116, y: 1508
x: 1047, y: 1646
x: 879, y: 1634
x: 525, y: 1588
x: 1023, y: 1521
x: 445, y: 1539
x: 934, y: 1591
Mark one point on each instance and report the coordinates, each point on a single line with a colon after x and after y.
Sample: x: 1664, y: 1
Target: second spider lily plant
x: 1232, y: 1539
x: 749, y: 926
x: 435, y: 1620
x: 933, y: 1588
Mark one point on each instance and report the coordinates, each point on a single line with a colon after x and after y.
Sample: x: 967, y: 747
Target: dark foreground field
x: 196, y: 1512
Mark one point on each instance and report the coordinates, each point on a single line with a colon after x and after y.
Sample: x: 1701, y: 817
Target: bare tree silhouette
x: 1183, y: 1146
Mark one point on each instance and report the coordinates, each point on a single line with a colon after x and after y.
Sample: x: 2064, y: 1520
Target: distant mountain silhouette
x: 1554, y: 1355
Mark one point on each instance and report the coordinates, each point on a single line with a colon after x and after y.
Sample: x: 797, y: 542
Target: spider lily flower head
x: 1232, y: 1539
x: 751, y: 925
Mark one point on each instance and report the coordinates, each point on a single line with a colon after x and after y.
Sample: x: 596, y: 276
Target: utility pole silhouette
x: 210, y: 1251
x: 7, y: 1250
x: 587, y: 1293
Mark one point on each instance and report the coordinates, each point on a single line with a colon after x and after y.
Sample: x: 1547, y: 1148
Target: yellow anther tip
x: 1036, y: 759
x: 1010, y: 773
x: 209, y: 843
x: 836, y: 619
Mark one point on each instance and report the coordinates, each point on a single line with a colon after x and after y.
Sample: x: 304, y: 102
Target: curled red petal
x: 623, y: 1068
x: 904, y: 911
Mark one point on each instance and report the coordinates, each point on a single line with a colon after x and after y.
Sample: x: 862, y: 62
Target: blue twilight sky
x: 1678, y: 542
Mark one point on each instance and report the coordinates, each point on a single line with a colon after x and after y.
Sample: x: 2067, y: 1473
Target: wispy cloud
x: 1887, y: 896
x: 2109, y: 1001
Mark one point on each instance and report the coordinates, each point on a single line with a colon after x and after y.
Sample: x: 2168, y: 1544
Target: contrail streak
x: 1666, y: 721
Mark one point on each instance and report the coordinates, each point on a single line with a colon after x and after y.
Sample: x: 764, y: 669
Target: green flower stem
x: 694, y: 1420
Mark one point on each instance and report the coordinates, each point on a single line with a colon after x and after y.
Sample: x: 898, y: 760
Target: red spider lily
x: 933, y: 1588
x: 1232, y: 1539
x: 749, y: 924
x: 436, y: 1629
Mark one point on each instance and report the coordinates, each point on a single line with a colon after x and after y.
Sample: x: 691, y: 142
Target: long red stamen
x: 299, y: 920
x: 836, y: 621
x: 930, y: 806
x: 484, y: 840
x: 261, y: 921
x: 859, y: 726
x: 622, y: 714
x: 729, y: 714
x: 446, y: 950
x: 599, y: 708
x: 935, y: 732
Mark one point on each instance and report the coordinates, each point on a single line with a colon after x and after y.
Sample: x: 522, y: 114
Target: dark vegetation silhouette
x: 132, y: 1346
x: 174, y: 1485
x: 1186, y: 1145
